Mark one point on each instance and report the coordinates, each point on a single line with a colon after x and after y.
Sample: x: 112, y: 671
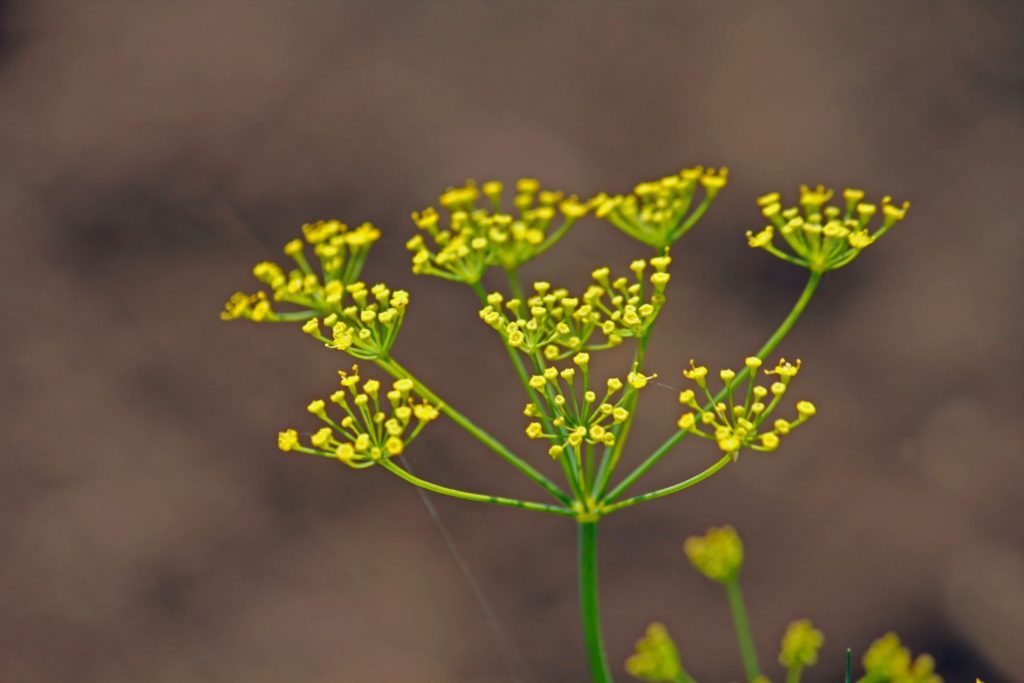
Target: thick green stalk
x: 743, y: 634
x: 392, y: 367
x: 387, y: 464
x: 768, y: 347
x: 589, y: 611
x: 793, y: 673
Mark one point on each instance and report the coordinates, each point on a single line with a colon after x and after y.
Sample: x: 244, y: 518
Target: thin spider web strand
x: 509, y: 653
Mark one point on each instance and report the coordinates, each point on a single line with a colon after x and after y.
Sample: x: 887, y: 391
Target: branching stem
x: 768, y: 347
x: 392, y: 367
x: 395, y: 469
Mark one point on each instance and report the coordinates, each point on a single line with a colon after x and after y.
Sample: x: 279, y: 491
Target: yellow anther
x: 805, y: 409
x: 288, y: 440
x: 697, y: 373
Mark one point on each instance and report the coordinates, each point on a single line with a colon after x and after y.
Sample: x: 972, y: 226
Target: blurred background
x: 153, y: 152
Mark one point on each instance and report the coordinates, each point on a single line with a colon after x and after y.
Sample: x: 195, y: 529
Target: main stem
x: 743, y: 634
x: 589, y: 603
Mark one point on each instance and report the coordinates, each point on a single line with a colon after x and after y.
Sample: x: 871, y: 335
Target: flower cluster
x: 578, y: 419
x: 822, y: 236
x: 341, y: 252
x: 737, y: 423
x: 656, y: 658
x: 365, y: 322
x: 370, y: 428
x: 658, y: 212
x: 800, y: 645
x: 481, y: 233
x: 559, y: 325
x: 718, y: 554
x: 888, y: 661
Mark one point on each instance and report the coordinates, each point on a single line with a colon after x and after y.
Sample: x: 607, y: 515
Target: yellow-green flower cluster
x: 656, y: 658
x: 579, y: 418
x: 340, y: 253
x: 559, y: 325
x: 800, y: 645
x: 736, y: 423
x: 481, y: 232
x: 371, y: 427
x: 821, y: 236
x: 718, y: 554
x: 888, y: 661
x: 365, y: 322
x: 658, y: 212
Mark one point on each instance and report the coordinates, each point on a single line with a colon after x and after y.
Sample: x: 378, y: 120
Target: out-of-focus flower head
x: 656, y: 658
x: 888, y: 661
x: 800, y: 645
x: 307, y: 291
x: 481, y: 231
x: 658, y: 212
x: 718, y: 554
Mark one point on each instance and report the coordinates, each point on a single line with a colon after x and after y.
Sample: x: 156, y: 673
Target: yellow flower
x: 578, y: 413
x: 369, y: 426
x: 364, y: 322
x: 888, y: 661
x: 560, y: 325
x: 658, y: 212
x: 482, y: 232
x: 800, y: 645
x: 340, y: 254
x: 287, y: 440
x: 819, y: 235
x: 718, y: 554
x: 656, y: 658
x: 739, y: 419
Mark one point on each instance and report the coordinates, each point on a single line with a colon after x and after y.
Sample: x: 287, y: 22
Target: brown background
x: 152, y: 152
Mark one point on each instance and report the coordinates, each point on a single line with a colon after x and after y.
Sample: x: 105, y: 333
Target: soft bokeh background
x: 152, y: 152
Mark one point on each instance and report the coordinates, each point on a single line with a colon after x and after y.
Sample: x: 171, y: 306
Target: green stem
x: 524, y: 376
x: 514, y: 284
x: 669, y: 490
x: 589, y: 611
x: 684, y: 676
x: 768, y: 347
x: 793, y: 674
x: 576, y: 485
x: 609, y: 462
x: 743, y: 635
x: 392, y: 367
x: 390, y: 466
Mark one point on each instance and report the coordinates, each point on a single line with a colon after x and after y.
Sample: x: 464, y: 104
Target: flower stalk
x: 589, y: 603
